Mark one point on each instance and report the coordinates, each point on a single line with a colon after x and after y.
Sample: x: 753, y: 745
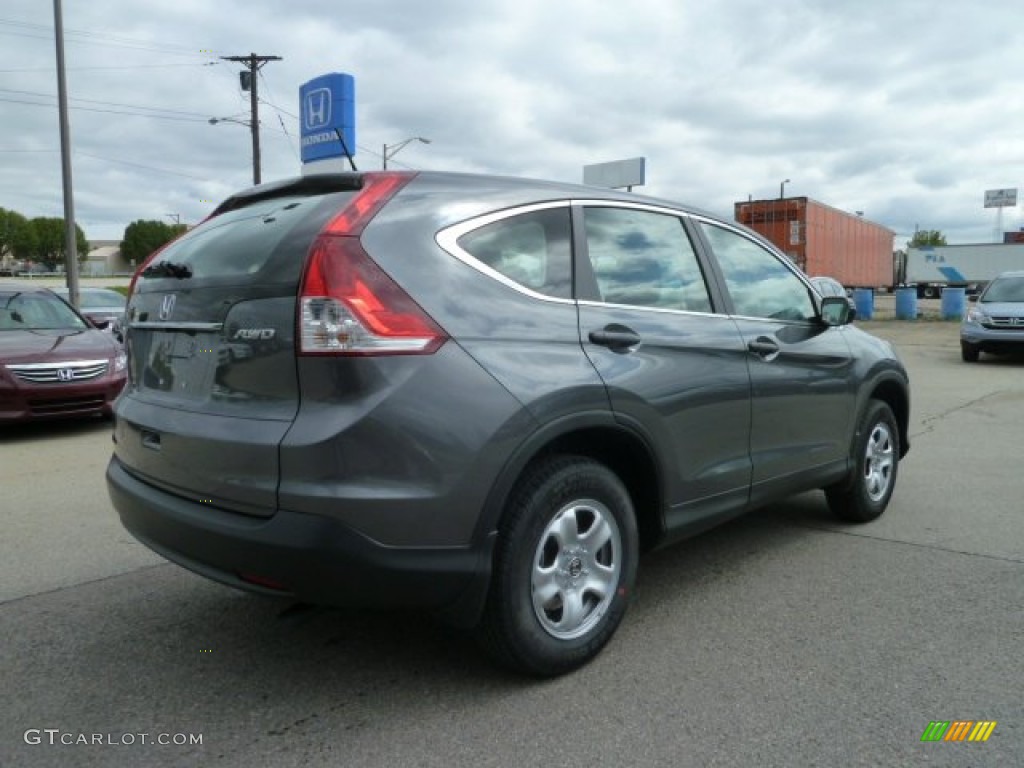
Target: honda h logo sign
x: 328, y: 107
x: 65, y: 374
x: 317, y: 113
x: 167, y: 306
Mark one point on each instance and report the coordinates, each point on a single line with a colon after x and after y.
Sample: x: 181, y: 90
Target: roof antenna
x: 344, y: 146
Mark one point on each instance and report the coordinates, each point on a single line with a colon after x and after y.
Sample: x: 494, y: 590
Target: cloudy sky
x: 905, y: 110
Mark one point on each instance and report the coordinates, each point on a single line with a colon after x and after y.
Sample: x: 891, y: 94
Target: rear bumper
x: 306, y: 557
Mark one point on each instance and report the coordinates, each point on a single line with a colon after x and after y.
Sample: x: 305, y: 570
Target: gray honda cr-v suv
x: 482, y: 397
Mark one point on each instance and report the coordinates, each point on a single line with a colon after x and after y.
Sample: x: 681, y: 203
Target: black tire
x: 876, y: 451
x: 564, y: 568
x: 969, y: 352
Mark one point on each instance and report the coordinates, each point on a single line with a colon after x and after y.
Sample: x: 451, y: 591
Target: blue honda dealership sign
x: 328, y: 105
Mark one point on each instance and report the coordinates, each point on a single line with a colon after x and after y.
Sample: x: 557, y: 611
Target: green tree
x: 17, y: 238
x: 144, y: 236
x: 926, y: 237
x: 48, y: 247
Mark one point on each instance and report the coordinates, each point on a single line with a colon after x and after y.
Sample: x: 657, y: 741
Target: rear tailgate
x: 211, y: 344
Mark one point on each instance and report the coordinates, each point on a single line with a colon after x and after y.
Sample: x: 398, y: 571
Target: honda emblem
x: 167, y: 306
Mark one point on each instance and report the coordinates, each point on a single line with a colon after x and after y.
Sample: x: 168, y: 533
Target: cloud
x: 899, y: 109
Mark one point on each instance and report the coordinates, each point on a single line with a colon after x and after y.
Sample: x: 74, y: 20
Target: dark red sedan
x: 53, y: 363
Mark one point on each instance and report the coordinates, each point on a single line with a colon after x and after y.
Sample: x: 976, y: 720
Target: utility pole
x: 249, y: 83
x: 70, y: 241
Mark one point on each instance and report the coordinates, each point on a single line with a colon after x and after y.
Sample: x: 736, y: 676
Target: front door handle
x: 618, y: 338
x: 764, y: 348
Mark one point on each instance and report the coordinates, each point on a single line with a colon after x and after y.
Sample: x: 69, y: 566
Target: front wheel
x: 564, y: 567
x: 877, y: 452
x: 969, y: 352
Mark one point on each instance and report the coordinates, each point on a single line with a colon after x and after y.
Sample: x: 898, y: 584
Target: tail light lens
x: 349, y: 306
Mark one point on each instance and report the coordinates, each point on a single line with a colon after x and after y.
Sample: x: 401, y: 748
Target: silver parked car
x: 995, y: 324
x: 103, y: 307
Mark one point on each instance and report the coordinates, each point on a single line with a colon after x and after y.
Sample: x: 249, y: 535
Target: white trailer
x: 967, y: 266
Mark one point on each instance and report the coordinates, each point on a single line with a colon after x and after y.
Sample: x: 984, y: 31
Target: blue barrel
x: 906, y: 303
x: 953, y: 302
x: 864, y: 302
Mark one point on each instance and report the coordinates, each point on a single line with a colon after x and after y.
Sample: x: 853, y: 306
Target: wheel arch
x: 893, y: 392
x: 600, y: 437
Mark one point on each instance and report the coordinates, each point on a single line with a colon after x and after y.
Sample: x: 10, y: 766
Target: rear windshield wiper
x: 168, y: 269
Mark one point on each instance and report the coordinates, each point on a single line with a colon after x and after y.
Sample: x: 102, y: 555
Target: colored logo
x: 958, y: 730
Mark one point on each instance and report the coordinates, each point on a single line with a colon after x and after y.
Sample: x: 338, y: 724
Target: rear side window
x: 531, y: 249
x: 644, y: 259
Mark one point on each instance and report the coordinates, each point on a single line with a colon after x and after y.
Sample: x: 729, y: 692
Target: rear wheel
x: 564, y: 567
x: 969, y: 352
x: 877, y: 451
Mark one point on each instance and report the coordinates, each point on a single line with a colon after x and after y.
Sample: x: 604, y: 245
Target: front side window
x: 532, y: 249
x: 645, y: 259
x: 758, y: 282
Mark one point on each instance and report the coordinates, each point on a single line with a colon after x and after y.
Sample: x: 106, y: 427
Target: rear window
x: 247, y: 241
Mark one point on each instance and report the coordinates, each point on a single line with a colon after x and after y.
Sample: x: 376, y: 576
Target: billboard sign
x: 327, y: 104
x: 1000, y: 198
x: 615, y: 175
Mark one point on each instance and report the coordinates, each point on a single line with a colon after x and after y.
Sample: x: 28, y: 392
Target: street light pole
x: 394, y: 149
x: 782, y: 188
x: 70, y: 239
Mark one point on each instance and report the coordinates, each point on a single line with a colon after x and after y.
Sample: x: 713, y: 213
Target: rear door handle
x: 618, y: 338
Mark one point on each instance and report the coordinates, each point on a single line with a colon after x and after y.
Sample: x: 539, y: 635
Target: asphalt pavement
x: 782, y: 639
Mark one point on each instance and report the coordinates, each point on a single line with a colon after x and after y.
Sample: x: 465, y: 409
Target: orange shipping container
x: 823, y: 240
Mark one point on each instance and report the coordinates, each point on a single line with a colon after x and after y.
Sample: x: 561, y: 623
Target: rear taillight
x: 349, y: 306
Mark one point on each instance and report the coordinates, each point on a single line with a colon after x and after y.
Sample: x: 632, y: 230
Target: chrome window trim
x: 641, y: 308
x: 447, y: 240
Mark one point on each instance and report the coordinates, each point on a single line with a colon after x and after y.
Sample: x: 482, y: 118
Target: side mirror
x: 836, y: 310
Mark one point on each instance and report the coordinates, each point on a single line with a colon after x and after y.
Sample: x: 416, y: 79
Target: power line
x: 278, y: 110
x: 140, y: 165
x: 126, y: 66
x: 46, y: 32
x: 107, y: 103
x: 107, y: 111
